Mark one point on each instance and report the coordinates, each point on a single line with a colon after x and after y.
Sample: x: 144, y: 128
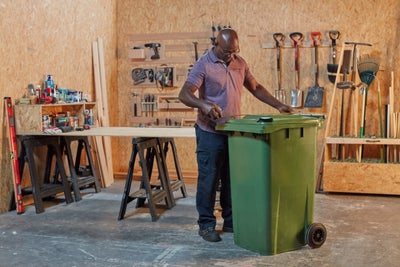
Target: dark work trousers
x: 213, y: 165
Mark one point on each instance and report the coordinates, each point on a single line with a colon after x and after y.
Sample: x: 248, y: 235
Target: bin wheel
x: 316, y: 235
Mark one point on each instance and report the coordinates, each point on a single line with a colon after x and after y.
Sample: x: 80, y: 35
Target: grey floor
x: 362, y: 231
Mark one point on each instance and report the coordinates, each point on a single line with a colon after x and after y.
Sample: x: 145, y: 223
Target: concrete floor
x: 362, y: 231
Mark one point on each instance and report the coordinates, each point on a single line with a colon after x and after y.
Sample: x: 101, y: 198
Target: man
x: 218, y: 76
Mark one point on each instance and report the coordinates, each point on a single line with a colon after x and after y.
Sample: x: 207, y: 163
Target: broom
x: 368, y: 66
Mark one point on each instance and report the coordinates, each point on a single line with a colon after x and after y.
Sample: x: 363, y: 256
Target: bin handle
x: 265, y: 119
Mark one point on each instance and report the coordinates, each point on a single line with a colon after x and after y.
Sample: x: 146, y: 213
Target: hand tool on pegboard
x: 315, y: 94
x: 213, y: 30
x: 196, y: 53
x: 155, y: 47
x: 12, y: 138
x: 280, y: 93
x: 165, y: 77
x: 139, y: 75
x: 219, y: 28
x: 296, y: 95
x: 135, y: 103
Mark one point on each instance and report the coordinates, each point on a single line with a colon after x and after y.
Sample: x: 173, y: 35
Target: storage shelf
x: 28, y: 118
x: 367, y: 178
x: 345, y: 167
x: 362, y: 141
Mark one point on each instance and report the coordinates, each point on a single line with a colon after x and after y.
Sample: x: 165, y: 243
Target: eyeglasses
x: 228, y: 53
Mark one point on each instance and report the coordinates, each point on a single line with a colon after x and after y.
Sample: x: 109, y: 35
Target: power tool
x: 155, y: 47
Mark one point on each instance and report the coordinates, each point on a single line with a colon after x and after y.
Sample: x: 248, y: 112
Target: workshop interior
x: 90, y: 101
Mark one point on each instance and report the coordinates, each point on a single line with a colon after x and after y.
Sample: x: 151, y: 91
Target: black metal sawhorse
x: 47, y: 186
x: 149, y: 149
x: 81, y: 176
x: 177, y: 184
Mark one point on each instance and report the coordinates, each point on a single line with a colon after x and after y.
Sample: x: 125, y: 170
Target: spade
x: 333, y: 67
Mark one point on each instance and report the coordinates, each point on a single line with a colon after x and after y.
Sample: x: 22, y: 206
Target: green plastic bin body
x: 273, y: 167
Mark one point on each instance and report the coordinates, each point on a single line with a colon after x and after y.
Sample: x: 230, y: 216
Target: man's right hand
x: 212, y: 110
x: 285, y: 109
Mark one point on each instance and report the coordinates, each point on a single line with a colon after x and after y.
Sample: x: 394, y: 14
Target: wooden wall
x: 52, y: 36
x: 372, y: 21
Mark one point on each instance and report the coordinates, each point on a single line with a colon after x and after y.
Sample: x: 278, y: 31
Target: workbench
x: 148, y: 144
x: 173, y: 132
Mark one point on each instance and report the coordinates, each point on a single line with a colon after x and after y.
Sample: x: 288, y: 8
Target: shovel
x: 279, y: 93
x: 315, y: 93
x: 333, y: 67
x: 296, y: 95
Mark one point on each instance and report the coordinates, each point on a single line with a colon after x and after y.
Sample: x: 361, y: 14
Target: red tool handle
x: 316, y: 37
x: 13, y: 153
x: 296, y: 37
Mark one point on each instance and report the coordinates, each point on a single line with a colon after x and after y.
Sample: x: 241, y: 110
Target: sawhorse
x: 149, y: 149
x: 177, y: 184
x: 81, y: 176
x: 45, y: 187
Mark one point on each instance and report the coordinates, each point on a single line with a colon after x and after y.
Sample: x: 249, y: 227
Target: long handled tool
x: 315, y: 94
x: 296, y: 94
x: 343, y: 85
x: 13, y: 154
x: 332, y: 67
x: 353, y: 85
x: 367, y: 66
x: 280, y: 93
x: 318, y: 186
x: 382, y: 149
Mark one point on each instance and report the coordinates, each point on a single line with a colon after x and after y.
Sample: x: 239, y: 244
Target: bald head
x: 226, y: 44
x: 227, y: 36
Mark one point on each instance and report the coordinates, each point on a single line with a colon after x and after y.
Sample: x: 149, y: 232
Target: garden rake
x: 368, y: 66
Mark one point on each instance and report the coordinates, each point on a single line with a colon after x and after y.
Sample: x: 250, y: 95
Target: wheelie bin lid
x: 261, y: 124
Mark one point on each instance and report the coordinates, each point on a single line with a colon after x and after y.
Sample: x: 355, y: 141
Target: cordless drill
x: 155, y: 47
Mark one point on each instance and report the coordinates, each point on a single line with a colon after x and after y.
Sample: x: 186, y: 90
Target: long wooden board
x: 104, y: 118
x: 98, y: 145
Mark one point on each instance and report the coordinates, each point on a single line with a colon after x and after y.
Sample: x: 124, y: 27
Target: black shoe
x: 227, y: 229
x: 210, y: 235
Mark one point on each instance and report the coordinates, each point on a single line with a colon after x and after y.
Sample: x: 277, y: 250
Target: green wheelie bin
x: 273, y: 167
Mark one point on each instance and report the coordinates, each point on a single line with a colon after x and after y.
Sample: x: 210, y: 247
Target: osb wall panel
x: 371, y: 21
x: 53, y: 36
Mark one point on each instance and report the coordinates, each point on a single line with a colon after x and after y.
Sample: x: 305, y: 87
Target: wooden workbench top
x: 127, y: 131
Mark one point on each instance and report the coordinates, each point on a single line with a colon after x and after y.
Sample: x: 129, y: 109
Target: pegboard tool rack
x: 177, y: 51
